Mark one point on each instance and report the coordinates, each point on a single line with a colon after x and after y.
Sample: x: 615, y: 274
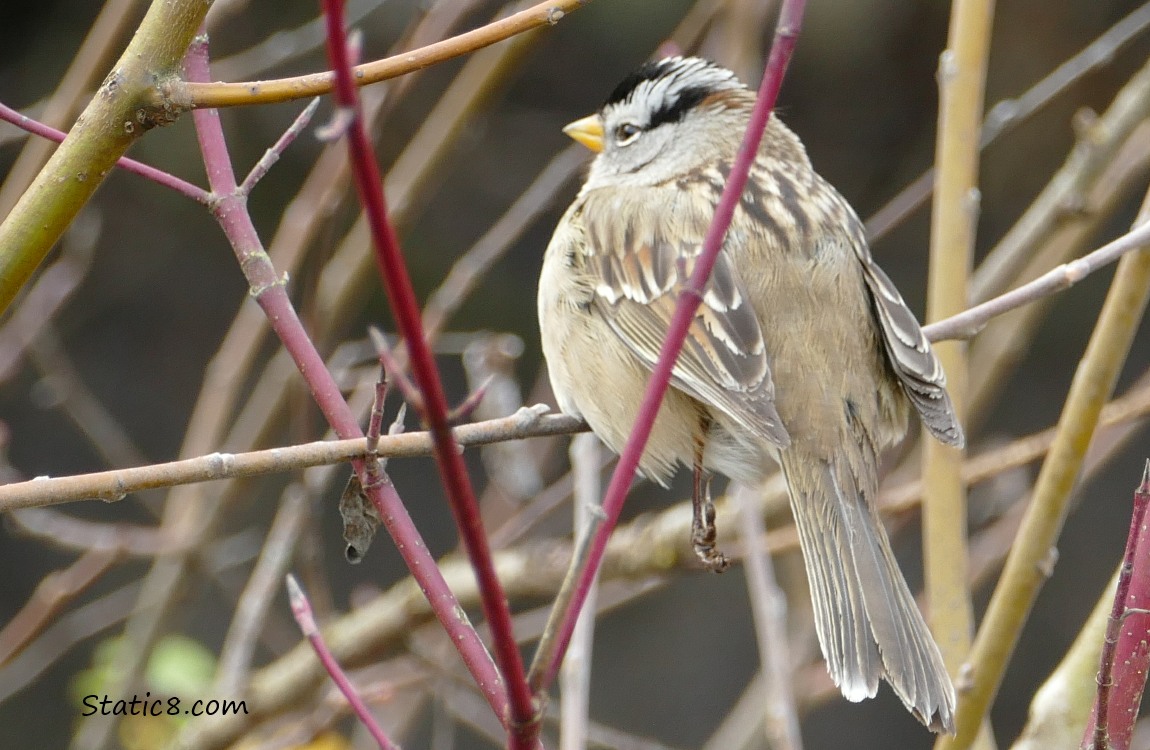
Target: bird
x: 802, y: 352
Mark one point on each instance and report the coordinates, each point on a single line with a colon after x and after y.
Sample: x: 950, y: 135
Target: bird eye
x: 626, y: 133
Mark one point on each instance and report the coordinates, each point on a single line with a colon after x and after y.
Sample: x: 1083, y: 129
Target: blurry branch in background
x: 575, y: 676
x: 261, y: 587
x: 769, y: 610
x: 48, y: 295
x: 48, y: 603
x: 1099, y: 140
x: 280, y: 46
x: 1009, y: 113
x: 1000, y: 347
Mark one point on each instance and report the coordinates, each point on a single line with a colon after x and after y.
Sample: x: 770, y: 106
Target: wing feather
x: 641, y: 268
x: 910, y: 353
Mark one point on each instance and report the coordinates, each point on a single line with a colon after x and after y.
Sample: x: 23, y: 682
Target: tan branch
x: 961, y: 80
x: 183, y: 96
x: 1024, y: 573
x: 115, y: 484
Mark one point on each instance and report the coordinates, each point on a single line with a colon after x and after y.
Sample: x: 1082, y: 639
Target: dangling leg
x: 703, y: 533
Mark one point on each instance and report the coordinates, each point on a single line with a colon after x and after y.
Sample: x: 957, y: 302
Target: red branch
x: 523, y: 720
x: 786, y: 33
x: 301, y: 610
x: 195, y: 192
x: 1126, y: 650
x: 229, y: 208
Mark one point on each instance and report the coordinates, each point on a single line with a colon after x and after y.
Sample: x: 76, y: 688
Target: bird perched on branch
x: 801, y: 352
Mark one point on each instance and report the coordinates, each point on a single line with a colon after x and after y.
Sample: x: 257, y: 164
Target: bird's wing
x: 642, y: 257
x: 909, y: 352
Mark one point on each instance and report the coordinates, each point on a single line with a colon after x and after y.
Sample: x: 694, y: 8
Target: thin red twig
x: 229, y: 207
x: 301, y: 610
x: 195, y: 192
x: 786, y: 33
x: 1125, y: 652
x: 523, y: 721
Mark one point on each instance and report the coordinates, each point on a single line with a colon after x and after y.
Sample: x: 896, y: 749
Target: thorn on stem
x: 395, y: 373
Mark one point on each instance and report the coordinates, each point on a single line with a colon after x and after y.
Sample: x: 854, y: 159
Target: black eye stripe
x: 672, y: 87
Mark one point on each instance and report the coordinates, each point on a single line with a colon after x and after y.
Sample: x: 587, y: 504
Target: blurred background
x: 160, y: 288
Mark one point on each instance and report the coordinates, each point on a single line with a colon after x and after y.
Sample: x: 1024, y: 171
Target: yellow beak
x: 588, y: 131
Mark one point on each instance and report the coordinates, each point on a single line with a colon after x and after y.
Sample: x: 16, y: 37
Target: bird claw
x: 703, y: 532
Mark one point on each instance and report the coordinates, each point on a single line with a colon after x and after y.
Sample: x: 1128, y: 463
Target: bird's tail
x: 868, y: 624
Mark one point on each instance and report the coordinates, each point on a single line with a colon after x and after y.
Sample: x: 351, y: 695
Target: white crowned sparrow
x: 802, y: 351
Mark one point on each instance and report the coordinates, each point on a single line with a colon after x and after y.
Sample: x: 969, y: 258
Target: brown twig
x: 52, y: 596
x: 196, y: 95
x: 969, y: 322
x: 113, y: 485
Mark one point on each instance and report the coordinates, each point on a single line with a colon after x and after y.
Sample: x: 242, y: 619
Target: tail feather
x: 868, y: 624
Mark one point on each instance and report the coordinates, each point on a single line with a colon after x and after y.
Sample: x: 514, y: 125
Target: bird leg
x: 703, y: 533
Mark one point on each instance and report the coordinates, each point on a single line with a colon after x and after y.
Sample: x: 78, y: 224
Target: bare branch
x: 301, y: 609
x: 197, y: 95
